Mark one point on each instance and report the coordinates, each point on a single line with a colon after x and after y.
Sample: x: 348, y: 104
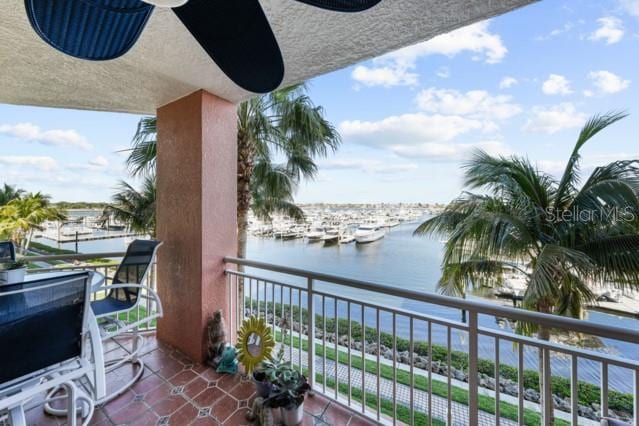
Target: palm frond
x: 570, y: 177
x: 143, y: 153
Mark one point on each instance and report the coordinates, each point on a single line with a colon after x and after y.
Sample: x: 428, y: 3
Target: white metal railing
x: 81, y: 261
x: 403, y: 365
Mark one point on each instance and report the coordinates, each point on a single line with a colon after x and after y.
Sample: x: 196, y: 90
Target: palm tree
x: 563, y: 237
x: 133, y: 207
x: 20, y: 217
x: 8, y: 193
x: 284, y: 124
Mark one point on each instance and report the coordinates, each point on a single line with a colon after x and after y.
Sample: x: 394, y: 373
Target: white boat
x: 369, y: 233
x: 331, y: 236
x: 391, y: 223
x: 315, y: 234
x: 346, y: 238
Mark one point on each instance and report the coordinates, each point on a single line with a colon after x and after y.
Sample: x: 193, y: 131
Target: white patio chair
x: 121, y: 310
x: 43, y: 324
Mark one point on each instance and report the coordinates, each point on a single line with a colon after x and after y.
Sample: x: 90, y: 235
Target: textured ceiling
x: 167, y: 63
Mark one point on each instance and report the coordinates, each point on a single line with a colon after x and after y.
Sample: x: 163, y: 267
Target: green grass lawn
x: 486, y: 403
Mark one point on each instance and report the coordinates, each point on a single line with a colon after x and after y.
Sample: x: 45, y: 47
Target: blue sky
x: 522, y: 83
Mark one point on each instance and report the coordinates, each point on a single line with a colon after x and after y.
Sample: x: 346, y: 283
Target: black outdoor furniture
x: 43, y: 324
x: 7, y: 251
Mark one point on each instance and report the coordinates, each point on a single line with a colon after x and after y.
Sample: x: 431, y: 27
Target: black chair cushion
x: 41, y: 327
x: 110, y: 305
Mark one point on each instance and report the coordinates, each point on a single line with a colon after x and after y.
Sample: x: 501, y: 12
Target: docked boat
x: 314, y: 235
x: 331, y: 236
x: 391, y: 223
x: 346, y: 238
x: 369, y: 233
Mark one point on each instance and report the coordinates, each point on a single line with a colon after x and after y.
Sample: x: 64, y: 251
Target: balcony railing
x: 74, y: 262
x: 395, y: 362
x: 403, y: 356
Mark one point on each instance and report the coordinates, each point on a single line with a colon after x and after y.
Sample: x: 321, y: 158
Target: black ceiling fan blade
x: 342, y: 5
x: 238, y: 37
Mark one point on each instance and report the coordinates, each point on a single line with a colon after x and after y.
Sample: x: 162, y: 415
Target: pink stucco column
x: 196, y: 215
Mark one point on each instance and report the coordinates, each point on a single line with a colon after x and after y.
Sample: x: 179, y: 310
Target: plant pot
x: 12, y: 276
x: 292, y: 416
x: 262, y: 386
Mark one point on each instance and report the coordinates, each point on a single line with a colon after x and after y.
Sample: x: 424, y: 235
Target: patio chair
x: 43, y: 324
x: 7, y: 251
x: 121, y: 310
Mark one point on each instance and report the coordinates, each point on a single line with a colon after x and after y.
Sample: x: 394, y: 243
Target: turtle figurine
x: 228, y: 363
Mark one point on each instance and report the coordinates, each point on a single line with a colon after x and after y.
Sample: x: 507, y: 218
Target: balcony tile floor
x: 175, y: 391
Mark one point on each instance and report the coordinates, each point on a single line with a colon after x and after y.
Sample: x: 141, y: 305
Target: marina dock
x: 89, y: 237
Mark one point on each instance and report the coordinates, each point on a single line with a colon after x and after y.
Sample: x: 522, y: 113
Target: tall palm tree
x: 562, y: 236
x: 279, y: 136
x: 8, y: 193
x: 133, y: 207
x: 20, y: 217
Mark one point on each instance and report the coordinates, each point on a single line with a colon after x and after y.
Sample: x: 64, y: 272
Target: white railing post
x: 473, y: 380
x: 310, y: 334
x: 546, y: 399
x: 635, y: 405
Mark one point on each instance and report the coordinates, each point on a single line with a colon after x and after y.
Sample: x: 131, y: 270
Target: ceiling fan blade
x: 89, y: 29
x: 238, y: 37
x: 342, y: 5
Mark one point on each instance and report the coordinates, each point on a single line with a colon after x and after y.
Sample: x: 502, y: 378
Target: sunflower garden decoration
x: 254, y: 342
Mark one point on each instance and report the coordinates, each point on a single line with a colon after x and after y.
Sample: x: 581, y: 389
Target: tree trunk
x: 28, y: 243
x: 245, y: 156
x: 543, y: 333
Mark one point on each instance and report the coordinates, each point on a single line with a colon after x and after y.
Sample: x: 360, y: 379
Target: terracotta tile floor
x: 176, y: 391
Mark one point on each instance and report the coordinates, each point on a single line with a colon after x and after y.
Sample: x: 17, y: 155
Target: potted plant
x: 12, y: 272
x: 288, y: 392
x: 263, y: 386
x: 265, y: 374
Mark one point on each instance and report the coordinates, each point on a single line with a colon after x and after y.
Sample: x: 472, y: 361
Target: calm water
x: 403, y: 261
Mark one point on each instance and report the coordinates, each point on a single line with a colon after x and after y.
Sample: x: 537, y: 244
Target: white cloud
x: 556, y: 32
x: 408, y: 129
x: 97, y: 164
x: 451, y: 151
x: 39, y: 162
x: 630, y: 6
x: 397, y: 68
x: 55, y: 137
x: 508, y: 82
x: 610, y: 30
x: 387, y: 76
x: 552, y: 167
x: 443, y: 72
x: 99, y: 161
x: 477, y: 104
x: 554, y: 119
x: 556, y: 85
x: 369, y: 166
x: 607, y: 83
x: 420, y: 136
